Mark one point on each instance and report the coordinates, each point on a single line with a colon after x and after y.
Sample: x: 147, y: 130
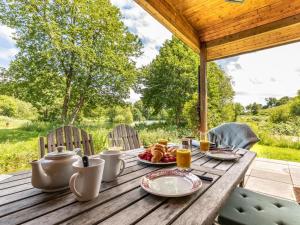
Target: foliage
x: 72, y: 55
x: 238, y: 110
x: 280, y: 114
x: 253, y: 108
x: 295, y: 107
x: 170, y: 83
x: 118, y: 114
x: 12, y: 107
x: 220, y: 96
x: 272, y: 102
x: 171, y: 79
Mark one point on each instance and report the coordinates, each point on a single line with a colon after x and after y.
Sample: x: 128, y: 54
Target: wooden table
x: 123, y: 201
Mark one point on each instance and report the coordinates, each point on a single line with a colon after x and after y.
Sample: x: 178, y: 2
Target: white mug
x: 114, y: 165
x: 85, y: 184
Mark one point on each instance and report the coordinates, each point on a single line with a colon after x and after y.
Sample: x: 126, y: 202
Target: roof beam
x: 172, y: 20
x: 288, y: 21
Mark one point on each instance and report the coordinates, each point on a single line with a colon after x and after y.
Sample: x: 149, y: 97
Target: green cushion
x: 245, y: 207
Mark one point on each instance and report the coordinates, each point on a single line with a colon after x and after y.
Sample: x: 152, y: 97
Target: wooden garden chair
x: 129, y: 136
x: 69, y: 136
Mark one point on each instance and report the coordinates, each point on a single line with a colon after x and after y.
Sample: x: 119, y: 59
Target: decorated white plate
x: 157, y: 163
x: 223, y: 155
x: 171, y: 183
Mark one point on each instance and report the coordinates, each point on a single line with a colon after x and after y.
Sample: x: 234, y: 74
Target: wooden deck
x: 123, y: 201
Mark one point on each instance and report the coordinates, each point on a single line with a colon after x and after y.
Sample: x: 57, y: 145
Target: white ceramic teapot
x: 53, y: 172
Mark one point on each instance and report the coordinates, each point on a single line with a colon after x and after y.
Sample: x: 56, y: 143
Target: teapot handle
x: 72, y: 183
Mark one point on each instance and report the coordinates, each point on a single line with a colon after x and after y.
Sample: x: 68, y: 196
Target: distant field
x: 270, y: 152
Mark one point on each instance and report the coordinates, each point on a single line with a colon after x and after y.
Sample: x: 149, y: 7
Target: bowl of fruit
x: 158, y: 154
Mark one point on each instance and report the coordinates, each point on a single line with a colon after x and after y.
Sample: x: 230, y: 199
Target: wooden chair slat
x: 68, y: 137
x: 60, y: 136
x: 42, y: 146
x: 85, y: 142
x: 91, y: 144
x: 51, y: 142
x: 76, y: 136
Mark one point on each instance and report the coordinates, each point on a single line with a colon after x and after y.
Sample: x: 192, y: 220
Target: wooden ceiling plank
x: 273, y: 38
x: 250, y: 20
x: 172, y: 20
x: 256, y: 30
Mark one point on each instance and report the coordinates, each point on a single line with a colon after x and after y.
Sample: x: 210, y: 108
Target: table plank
x: 170, y: 209
x: 65, y: 205
x: 107, y: 209
x: 206, y: 208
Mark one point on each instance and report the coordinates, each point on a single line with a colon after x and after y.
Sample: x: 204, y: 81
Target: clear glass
x: 204, y: 143
x: 183, y: 158
x: 116, y: 144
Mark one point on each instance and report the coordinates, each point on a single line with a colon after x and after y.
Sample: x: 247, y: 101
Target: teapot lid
x: 59, y: 155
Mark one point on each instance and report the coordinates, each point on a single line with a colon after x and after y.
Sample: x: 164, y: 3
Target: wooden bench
x: 69, y: 136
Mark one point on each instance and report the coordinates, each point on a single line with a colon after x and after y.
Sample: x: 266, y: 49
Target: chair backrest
x: 129, y: 136
x: 237, y: 135
x: 69, y: 136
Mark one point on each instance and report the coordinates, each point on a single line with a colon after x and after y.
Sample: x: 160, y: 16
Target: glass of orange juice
x: 183, y: 158
x: 204, y: 143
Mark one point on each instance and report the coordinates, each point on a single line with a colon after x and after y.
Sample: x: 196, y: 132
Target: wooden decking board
x: 123, y: 200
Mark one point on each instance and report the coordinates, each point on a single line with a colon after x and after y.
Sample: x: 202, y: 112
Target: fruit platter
x: 158, y: 154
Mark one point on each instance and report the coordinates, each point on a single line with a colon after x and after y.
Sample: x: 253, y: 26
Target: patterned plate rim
x: 197, y: 183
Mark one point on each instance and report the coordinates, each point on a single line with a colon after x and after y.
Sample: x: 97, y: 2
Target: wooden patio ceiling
x: 225, y: 28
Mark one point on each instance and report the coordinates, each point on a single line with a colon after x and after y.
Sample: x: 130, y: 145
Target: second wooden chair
x: 129, y: 136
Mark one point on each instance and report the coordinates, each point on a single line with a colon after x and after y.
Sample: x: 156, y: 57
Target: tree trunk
x: 67, y: 97
x: 77, y: 109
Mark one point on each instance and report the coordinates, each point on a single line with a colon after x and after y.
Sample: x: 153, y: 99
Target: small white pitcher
x: 85, y: 184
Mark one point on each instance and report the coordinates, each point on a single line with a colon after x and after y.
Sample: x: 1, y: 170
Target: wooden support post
x: 203, y: 88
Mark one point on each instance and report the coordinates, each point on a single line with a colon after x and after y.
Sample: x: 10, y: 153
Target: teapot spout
x: 39, y: 178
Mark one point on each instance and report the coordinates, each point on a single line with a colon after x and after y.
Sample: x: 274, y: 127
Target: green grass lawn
x: 270, y: 152
x: 19, y: 141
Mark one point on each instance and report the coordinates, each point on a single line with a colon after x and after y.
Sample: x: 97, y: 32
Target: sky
x: 269, y: 73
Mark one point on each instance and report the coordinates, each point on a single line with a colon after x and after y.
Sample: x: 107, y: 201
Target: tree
x: 171, y: 79
x: 271, y: 102
x: 220, y: 100
x: 73, y: 54
x: 254, y: 108
x: 170, y: 83
x: 283, y: 100
x: 238, y: 110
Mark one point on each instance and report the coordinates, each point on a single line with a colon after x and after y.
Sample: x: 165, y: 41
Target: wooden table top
x: 123, y: 201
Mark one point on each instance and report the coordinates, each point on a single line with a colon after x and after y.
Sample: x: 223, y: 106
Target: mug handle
x: 72, y: 184
x: 122, y: 167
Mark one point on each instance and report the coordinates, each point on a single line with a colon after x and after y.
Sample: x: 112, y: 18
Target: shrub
x: 295, y: 107
x: 12, y: 107
x: 280, y: 114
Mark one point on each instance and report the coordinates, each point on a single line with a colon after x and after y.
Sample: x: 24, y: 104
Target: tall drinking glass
x: 204, y: 143
x: 183, y: 158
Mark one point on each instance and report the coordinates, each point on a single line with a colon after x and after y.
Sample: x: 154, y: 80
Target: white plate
x: 171, y: 183
x: 223, y: 155
x: 152, y: 163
